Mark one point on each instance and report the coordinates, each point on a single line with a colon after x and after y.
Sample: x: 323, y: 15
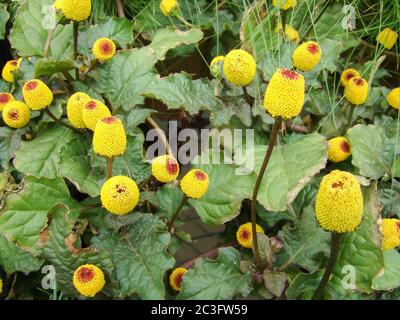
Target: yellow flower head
x: 1, y: 286
x: 58, y: 4
x: 307, y: 56
x: 37, y: 95
x: 390, y: 229
x: 393, y: 98
x: 77, y: 10
x: 284, y: 4
x: 285, y: 94
x: 93, y: 111
x: 387, y: 38
x: 88, y: 280
x: 168, y: 6
x: 119, y: 195
x: 356, y: 91
x: 215, y: 66
x: 16, y: 114
x: 339, y: 149
x: 74, y: 108
x: 165, y: 168
x: 347, y: 75
x: 104, y: 49
x: 176, y: 277
x: 244, y: 234
x: 195, y: 184
x: 339, y: 205
x: 290, y: 32
x: 109, y: 139
x: 8, y: 69
x: 239, y: 67
x: 4, y: 99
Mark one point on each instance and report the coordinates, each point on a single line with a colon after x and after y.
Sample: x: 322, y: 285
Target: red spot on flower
x: 245, y: 234
x: 14, y: 63
x: 171, y: 166
x: 398, y: 225
x: 289, y: 74
x: 13, y: 115
x: 358, y: 81
x: 349, y: 76
x: 338, y: 184
x: 120, y: 189
x: 109, y: 120
x: 4, y: 98
x: 85, y: 274
x: 106, y: 47
x: 200, y: 175
x: 345, y: 147
x: 313, y: 48
x: 91, y: 105
x: 31, y: 85
x: 178, y: 279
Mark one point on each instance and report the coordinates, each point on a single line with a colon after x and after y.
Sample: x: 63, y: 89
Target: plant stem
x: 120, y: 8
x: 109, y: 164
x: 76, y: 31
x: 283, y: 21
x: 351, y: 114
x: 52, y: 116
x: 247, y: 97
x: 177, y: 211
x: 335, y: 243
x: 272, y: 140
x: 161, y: 133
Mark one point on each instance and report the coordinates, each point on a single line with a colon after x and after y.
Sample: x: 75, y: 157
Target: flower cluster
x: 88, y: 280
x: 239, y: 67
x: 104, y: 49
x: 393, y: 98
x: 195, y: 184
x: 390, y: 229
x: 356, y: 91
x: 16, y: 114
x: 77, y: 10
x: 176, y: 277
x: 339, y: 149
x: 9, y: 68
x: 307, y: 56
x: 165, y: 168
x: 37, y: 94
x: 244, y: 234
x: 387, y: 37
x: 109, y: 139
x: 347, y: 75
x: 93, y: 111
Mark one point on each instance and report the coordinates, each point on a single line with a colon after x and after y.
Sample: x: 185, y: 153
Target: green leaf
x: 218, y: 279
x: 169, y: 38
x: 304, y: 285
x: 24, y: 215
x: 372, y: 151
x: 63, y: 250
x: 9, y: 143
x: 41, y: 156
x: 134, y: 118
x: 169, y: 197
x: 306, y: 243
x: 389, y: 277
x: 275, y: 282
x: 179, y: 91
x: 119, y: 30
x: 49, y: 66
x: 139, y: 255
x: 4, y: 16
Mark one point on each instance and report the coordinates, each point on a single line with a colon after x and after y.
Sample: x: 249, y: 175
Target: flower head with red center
x: 37, y: 94
x: 393, y: 98
x: 93, y: 111
x: 339, y: 149
x: 109, y: 139
x: 195, y: 184
x: 307, y: 56
x: 347, y: 75
x: 119, y: 195
x: 5, y: 98
x: 104, y: 49
x: 390, y: 229
x: 239, y: 67
x: 285, y: 94
x: 16, y: 114
x: 88, y: 280
x: 176, y: 277
x: 244, y: 234
x: 356, y: 91
x: 8, y: 69
x: 165, y: 168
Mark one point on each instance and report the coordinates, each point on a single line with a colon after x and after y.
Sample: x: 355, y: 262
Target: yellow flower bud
x: 285, y: 94
x: 339, y: 149
x: 168, y: 6
x: 307, y: 56
x: 5, y: 98
x: 37, y: 95
x: 16, y: 114
x: 109, y: 139
x: 119, y: 195
x: 339, y: 205
x: 88, y: 280
x: 387, y: 38
x: 290, y: 32
x: 195, y: 184
x: 176, y: 277
x: 104, y: 49
x: 93, y: 111
x: 8, y: 69
x: 239, y: 67
x: 75, y: 106
x: 216, y: 66
x: 244, y: 234
x: 284, y: 4
x: 165, y: 168
x: 356, y: 91
x: 347, y: 75
x: 393, y: 98
x: 77, y: 10
x: 390, y: 229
